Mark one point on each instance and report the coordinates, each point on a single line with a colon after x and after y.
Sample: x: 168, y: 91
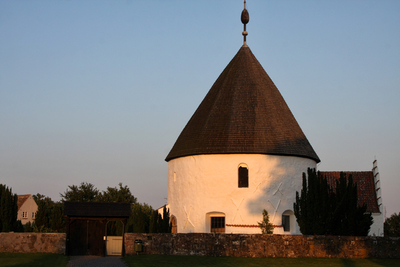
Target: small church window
x: 286, y: 223
x: 243, y: 174
x: 217, y: 224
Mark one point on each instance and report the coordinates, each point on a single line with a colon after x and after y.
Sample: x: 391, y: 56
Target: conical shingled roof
x: 243, y: 113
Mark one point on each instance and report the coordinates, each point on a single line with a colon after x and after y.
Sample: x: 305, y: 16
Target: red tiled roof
x: 21, y: 200
x: 365, y: 187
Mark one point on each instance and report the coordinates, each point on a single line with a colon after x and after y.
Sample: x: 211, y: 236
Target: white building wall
x: 377, y: 225
x: 205, y: 185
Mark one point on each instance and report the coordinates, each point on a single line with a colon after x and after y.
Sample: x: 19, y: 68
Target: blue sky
x: 98, y: 91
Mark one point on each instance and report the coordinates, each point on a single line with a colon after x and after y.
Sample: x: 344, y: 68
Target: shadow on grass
x: 33, y: 259
x: 196, y: 261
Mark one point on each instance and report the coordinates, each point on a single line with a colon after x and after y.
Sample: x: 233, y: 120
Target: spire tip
x: 245, y: 19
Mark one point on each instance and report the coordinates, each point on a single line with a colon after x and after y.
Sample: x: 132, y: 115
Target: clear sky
x: 98, y: 91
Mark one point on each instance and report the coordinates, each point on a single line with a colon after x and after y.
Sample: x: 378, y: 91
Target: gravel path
x: 95, y: 261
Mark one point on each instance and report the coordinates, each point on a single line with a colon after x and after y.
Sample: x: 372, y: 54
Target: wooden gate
x: 86, y: 227
x: 114, y: 245
x: 86, y: 237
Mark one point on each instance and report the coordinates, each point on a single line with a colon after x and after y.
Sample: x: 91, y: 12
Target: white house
x: 27, y: 208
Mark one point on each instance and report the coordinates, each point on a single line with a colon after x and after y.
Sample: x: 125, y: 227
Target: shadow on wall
x: 278, y: 189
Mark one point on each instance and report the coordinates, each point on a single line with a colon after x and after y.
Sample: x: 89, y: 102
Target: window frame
x: 243, y: 176
x: 216, y: 223
x: 286, y: 223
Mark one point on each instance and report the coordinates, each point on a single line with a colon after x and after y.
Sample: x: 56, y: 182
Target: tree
x: 313, y: 208
x: 348, y: 217
x: 160, y: 223
x: 114, y: 194
x: 29, y: 227
x: 139, y: 221
x: 392, y: 226
x: 265, y: 225
x: 86, y: 192
x: 49, y: 216
x: 57, y: 220
x: 43, y: 214
x: 323, y: 210
x: 166, y: 224
x: 8, y: 209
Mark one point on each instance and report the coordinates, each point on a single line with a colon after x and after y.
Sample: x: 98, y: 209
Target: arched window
x: 243, y: 175
x: 286, y: 223
x: 289, y: 222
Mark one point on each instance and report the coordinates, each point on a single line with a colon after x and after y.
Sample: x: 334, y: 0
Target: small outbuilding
x: 95, y: 228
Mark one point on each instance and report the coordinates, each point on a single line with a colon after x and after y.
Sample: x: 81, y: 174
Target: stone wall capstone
x: 32, y: 242
x: 259, y: 245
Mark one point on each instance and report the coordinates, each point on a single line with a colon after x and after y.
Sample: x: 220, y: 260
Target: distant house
x: 27, y: 208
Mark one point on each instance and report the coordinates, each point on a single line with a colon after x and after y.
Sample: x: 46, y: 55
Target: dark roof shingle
x: 243, y: 113
x: 96, y: 209
x: 21, y: 200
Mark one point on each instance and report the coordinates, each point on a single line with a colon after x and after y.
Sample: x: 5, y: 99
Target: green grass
x: 195, y: 261
x: 33, y: 259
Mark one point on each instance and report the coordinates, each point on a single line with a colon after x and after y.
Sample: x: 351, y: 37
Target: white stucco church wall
x: 204, y: 186
x: 378, y: 218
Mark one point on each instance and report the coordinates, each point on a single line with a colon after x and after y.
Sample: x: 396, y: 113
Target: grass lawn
x: 33, y: 259
x: 195, y: 261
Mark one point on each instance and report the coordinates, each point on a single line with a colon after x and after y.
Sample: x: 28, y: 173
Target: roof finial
x: 245, y: 19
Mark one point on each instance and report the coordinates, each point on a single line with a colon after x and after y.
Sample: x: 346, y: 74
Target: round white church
x: 241, y: 152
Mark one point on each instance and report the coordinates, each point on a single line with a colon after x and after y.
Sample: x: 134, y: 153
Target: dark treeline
x: 8, y: 210
x: 50, y: 215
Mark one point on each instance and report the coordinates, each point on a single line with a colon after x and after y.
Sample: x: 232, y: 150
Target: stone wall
x: 258, y: 245
x: 32, y: 242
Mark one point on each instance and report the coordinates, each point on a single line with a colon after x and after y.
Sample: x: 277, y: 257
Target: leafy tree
x: 18, y: 227
x: 8, y: 209
x: 392, y: 226
x: 29, y: 227
x: 86, y: 192
x: 114, y: 194
x: 323, y: 210
x: 42, y: 218
x: 265, y: 225
x: 57, y: 221
x: 139, y: 222
x: 49, y: 216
